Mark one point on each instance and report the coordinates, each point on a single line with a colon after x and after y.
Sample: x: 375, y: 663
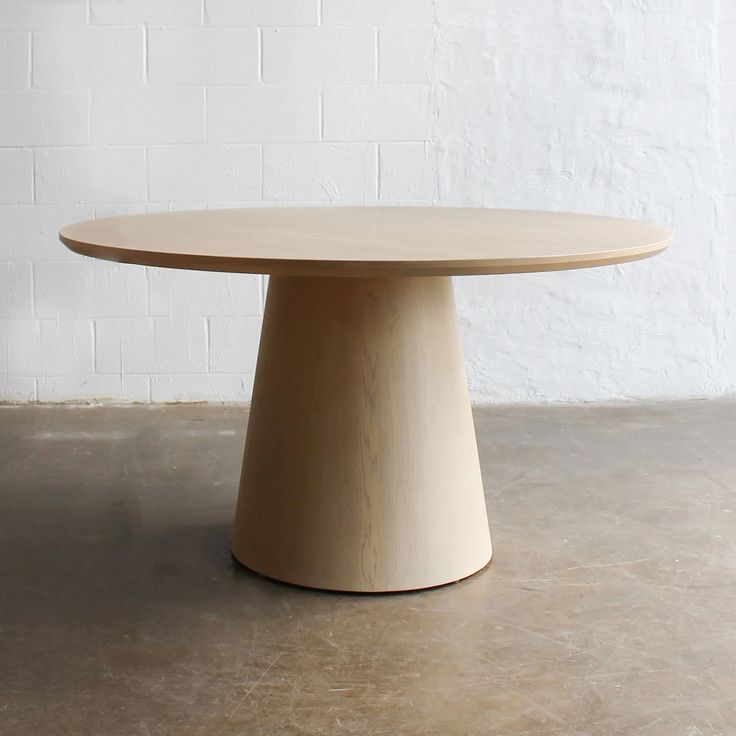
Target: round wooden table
x: 361, y: 467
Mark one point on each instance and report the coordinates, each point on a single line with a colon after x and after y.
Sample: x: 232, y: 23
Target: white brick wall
x: 229, y: 173
x: 15, y: 60
x: 51, y: 347
x: 407, y: 172
x: 128, y: 106
x: 262, y: 12
x: 233, y: 343
x: 147, y: 345
x: 83, y: 174
x: 155, y: 12
x: 88, y: 289
x: 16, y: 182
x: 88, y: 57
x: 16, y: 290
x: 379, y: 12
x: 173, y: 293
x: 202, y: 56
x: 38, y: 15
x: 319, y: 172
x: 319, y: 55
x: 28, y: 233
x: 263, y: 114
x: 44, y: 118
x: 727, y: 120
x: 146, y: 115
x: 377, y: 112
x: 405, y: 55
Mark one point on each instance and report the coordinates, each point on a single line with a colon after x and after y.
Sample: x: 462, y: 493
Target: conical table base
x: 361, y: 467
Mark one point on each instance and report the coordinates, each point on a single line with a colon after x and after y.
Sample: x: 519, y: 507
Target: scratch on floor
x: 250, y: 690
x: 610, y: 564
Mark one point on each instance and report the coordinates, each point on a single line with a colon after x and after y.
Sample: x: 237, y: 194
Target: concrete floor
x: 609, y: 608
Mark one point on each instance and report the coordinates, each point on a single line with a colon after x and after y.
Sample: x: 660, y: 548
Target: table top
x: 367, y: 241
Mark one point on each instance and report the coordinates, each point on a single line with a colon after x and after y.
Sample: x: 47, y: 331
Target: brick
x: 118, y: 210
x: 202, y: 56
x: 36, y: 15
x: 378, y: 12
x: 263, y: 114
x: 3, y: 358
x: 407, y: 172
x: 16, y: 290
x: 68, y: 175
x: 729, y: 157
x: 88, y: 57
x: 382, y: 113
x: 30, y: 232
x: 319, y: 55
x: 202, y: 387
x: 727, y: 51
x: 44, y: 118
x: 16, y: 389
x: 16, y: 177
x: 15, y: 60
x: 405, y: 55
x: 177, y: 206
x: 319, y: 172
x: 237, y: 204
x: 201, y: 173
x: 88, y: 288
x: 261, y: 12
x: 153, y: 12
x: 234, y: 344
x: 151, y: 345
x: 50, y: 347
x: 174, y: 292
x: 94, y: 388
x: 728, y: 110
x: 147, y: 115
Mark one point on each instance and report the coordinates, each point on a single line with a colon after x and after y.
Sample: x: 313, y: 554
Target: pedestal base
x: 361, y: 467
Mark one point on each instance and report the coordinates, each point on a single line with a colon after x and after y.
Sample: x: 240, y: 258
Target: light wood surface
x: 367, y: 241
x: 361, y: 468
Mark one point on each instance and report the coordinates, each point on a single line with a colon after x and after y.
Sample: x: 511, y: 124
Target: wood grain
x: 367, y: 241
x: 361, y: 470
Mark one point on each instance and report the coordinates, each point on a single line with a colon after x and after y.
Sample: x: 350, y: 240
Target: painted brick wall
x: 727, y: 69
x: 126, y: 106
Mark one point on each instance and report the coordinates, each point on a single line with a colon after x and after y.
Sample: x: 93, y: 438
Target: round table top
x: 367, y: 241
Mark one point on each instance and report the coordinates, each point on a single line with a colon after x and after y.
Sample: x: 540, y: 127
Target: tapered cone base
x: 361, y: 467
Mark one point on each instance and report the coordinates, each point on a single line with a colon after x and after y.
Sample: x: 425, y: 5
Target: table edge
x: 356, y: 269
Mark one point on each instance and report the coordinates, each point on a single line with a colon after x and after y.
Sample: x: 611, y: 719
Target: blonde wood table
x: 361, y: 470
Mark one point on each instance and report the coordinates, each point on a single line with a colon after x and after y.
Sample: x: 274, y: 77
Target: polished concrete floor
x: 609, y: 607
